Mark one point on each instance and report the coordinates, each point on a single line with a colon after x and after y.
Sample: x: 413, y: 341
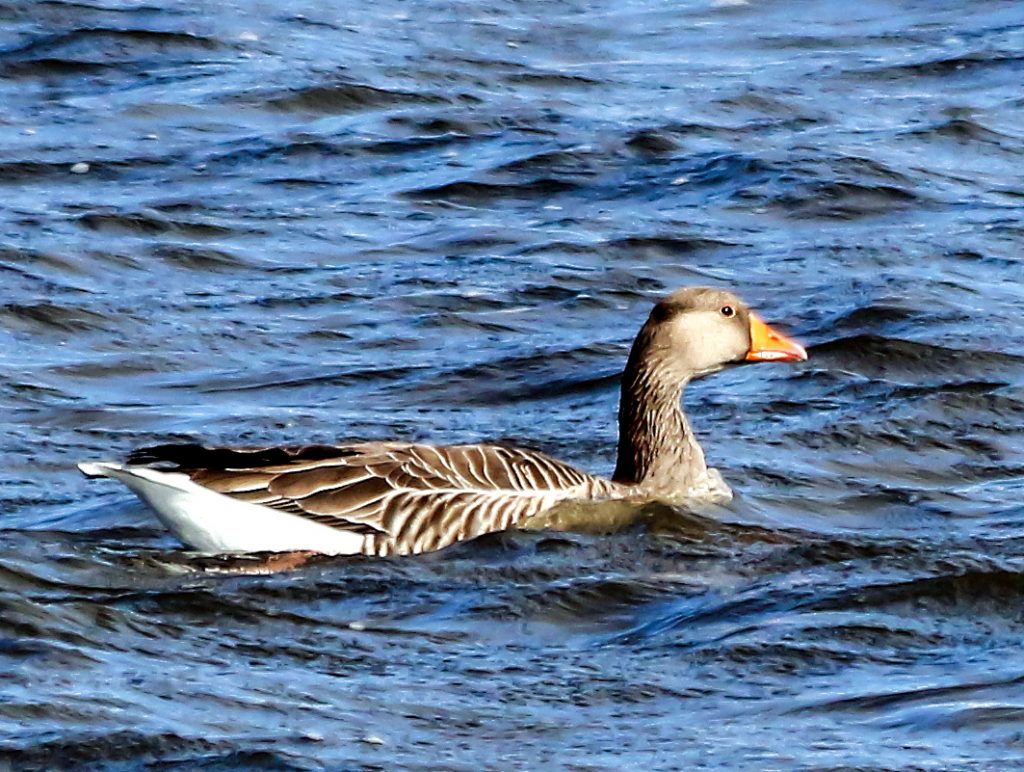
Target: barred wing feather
x: 403, y: 498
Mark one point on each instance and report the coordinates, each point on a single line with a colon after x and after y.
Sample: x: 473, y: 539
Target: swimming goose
x: 387, y: 498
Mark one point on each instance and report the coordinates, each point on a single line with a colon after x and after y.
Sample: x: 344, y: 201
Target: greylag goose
x: 387, y: 498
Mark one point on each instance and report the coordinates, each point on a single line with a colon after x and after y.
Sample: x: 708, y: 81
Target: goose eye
x: 728, y: 311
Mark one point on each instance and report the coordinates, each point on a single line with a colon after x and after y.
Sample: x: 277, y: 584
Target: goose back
x: 401, y: 497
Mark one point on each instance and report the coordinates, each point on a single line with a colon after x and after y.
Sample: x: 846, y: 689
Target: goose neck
x: 658, y: 452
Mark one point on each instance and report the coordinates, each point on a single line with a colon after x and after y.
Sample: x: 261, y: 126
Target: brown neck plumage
x: 657, y: 449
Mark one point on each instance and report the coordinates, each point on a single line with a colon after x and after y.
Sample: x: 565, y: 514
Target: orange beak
x: 767, y: 345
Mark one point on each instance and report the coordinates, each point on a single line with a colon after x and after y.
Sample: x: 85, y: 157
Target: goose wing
x: 403, y: 498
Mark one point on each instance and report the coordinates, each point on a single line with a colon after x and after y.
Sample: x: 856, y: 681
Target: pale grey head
x: 696, y: 331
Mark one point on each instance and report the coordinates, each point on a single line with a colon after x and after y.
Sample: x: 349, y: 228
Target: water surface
x: 260, y: 222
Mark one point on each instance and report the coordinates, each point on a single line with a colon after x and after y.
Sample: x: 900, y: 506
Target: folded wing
x: 403, y: 498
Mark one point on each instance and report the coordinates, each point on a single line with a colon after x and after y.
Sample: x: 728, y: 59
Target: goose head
x: 700, y: 330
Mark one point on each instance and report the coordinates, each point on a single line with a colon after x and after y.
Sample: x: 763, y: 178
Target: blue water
x: 250, y: 223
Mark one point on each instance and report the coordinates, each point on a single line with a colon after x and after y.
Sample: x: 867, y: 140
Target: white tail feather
x: 212, y: 522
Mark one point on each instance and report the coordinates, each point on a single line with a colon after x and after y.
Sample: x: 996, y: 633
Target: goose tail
x: 99, y: 468
x: 211, y: 522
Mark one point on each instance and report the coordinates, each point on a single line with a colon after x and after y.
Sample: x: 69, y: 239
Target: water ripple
x: 446, y: 223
